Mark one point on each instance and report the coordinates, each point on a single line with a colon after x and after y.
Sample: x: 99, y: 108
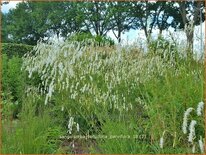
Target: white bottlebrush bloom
x: 200, y: 108
x: 185, y: 119
x: 62, y: 109
x: 75, y: 69
x: 201, y: 145
x: 193, y: 148
x: 46, y: 100
x: 192, y: 131
x: 51, y: 90
x: 161, y: 142
x: 70, y: 125
x: 77, y: 127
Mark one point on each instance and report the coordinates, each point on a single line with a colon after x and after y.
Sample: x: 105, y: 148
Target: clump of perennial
x: 192, y: 134
x: 185, y: 120
x: 200, y: 108
x: 61, y: 65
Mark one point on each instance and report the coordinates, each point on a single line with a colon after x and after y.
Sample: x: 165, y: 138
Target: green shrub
x: 12, y: 49
x: 13, y: 79
x: 10, y: 108
x: 166, y: 50
x: 80, y: 37
x: 88, y: 38
x: 160, y: 43
x: 14, y: 83
x: 32, y: 132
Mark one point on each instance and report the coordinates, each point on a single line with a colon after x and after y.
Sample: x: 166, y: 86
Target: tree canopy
x: 30, y: 21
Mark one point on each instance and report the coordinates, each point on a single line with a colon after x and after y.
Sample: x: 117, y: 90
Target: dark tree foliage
x: 30, y: 21
x: 97, y: 17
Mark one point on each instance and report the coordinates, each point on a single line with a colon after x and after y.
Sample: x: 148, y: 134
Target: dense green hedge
x: 11, y: 49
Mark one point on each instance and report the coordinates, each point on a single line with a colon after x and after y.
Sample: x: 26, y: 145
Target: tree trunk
x: 190, y: 37
x: 146, y: 34
x: 160, y: 33
x: 119, y: 37
x: 188, y: 28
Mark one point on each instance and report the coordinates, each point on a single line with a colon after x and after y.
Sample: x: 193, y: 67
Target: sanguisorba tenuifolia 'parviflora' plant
x: 78, y: 70
x: 192, y: 136
x: 94, y: 84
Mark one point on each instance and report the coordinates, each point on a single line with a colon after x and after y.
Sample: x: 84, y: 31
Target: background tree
x: 151, y: 15
x: 97, y: 17
x: 121, y: 19
x: 164, y: 15
x: 30, y: 21
x: 187, y: 16
x: 24, y: 24
x: 74, y: 17
x: 145, y: 14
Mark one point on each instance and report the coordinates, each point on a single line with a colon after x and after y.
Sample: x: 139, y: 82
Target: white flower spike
x: 192, y: 131
x: 200, y: 108
x: 185, y: 119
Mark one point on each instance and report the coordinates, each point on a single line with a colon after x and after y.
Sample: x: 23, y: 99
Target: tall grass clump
x: 34, y: 131
x: 100, y: 88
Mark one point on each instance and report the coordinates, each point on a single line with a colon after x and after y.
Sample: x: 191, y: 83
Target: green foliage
x: 13, y: 79
x: 80, y: 37
x: 44, y: 19
x: 103, y: 41
x: 168, y: 96
x: 159, y: 43
x: 165, y: 49
x: 31, y: 133
x: 64, y: 18
x: 26, y: 17
x: 97, y: 17
x: 88, y: 38
x: 17, y: 50
x: 107, y: 91
x: 122, y: 138
x: 10, y: 108
x: 13, y: 85
x: 4, y: 33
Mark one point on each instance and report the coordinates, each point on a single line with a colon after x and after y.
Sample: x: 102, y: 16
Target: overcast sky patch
x: 5, y: 8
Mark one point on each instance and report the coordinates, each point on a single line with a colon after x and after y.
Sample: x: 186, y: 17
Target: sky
x: 138, y: 36
x: 5, y: 8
